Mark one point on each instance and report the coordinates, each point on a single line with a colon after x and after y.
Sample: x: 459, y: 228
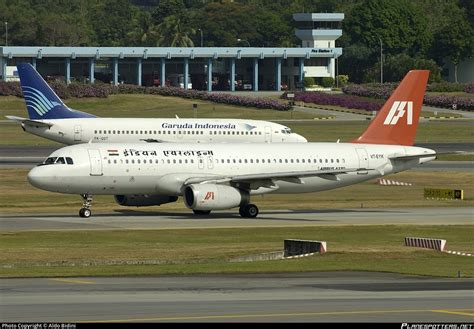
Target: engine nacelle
x: 213, y: 197
x: 143, y: 200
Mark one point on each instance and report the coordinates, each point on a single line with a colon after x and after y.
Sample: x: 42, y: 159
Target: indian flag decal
x: 113, y: 153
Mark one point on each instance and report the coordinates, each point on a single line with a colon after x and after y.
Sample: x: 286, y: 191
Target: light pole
x: 243, y: 40
x: 201, y: 36
x: 6, y: 34
x: 381, y: 62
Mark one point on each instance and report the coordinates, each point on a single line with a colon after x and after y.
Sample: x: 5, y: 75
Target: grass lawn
x: 20, y: 197
x: 158, y: 106
x: 190, y: 251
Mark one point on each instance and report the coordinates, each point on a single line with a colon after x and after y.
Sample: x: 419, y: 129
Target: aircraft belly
x: 317, y: 184
x: 111, y: 185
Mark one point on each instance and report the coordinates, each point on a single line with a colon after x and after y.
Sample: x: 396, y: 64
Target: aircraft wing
x: 28, y: 121
x: 266, y: 179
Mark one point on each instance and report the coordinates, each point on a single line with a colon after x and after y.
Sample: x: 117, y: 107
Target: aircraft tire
x: 248, y: 211
x: 201, y: 212
x: 85, y: 213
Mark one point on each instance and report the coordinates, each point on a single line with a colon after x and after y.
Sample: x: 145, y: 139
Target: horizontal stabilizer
x: 28, y: 121
x: 411, y: 157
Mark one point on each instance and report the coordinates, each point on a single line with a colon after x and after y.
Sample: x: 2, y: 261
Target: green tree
x: 174, y: 33
x: 145, y: 32
x: 455, y: 40
x: 398, y: 23
x: 168, y: 8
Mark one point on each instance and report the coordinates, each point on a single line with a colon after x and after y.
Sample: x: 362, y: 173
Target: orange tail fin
x: 397, y: 120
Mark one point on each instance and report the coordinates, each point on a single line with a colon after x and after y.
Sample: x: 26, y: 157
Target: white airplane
x: 223, y: 176
x: 50, y: 118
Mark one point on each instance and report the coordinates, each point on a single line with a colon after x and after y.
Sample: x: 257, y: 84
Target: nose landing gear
x: 85, y: 211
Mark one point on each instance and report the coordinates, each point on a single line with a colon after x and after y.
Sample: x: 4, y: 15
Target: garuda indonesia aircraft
x: 50, y: 118
x: 223, y: 176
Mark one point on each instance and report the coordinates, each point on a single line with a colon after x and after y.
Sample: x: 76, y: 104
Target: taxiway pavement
x: 143, y: 219
x: 298, y: 297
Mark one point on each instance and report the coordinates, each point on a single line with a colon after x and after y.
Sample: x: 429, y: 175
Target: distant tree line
x: 413, y: 33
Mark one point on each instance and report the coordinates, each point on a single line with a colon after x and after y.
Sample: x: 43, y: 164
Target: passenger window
x: 169, y: 161
x: 95, y: 131
x: 133, y: 161
x: 332, y: 160
x: 69, y: 161
x: 138, y: 161
x: 115, y: 161
x: 110, y: 161
x: 126, y: 161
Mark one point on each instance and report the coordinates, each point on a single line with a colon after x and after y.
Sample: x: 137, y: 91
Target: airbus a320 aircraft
x: 50, y: 118
x: 219, y: 176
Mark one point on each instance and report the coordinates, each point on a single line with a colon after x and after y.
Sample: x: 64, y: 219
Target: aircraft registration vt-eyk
x: 222, y: 176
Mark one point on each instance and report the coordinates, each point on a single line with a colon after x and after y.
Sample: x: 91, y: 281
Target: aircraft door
x: 363, y: 160
x: 77, y: 133
x: 96, y: 163
x: 268, y: 134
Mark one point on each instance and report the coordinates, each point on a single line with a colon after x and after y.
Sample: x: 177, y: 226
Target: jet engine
x: 143, y: 200
x: 213, y: 197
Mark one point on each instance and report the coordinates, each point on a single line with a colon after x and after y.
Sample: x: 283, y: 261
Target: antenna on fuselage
x: 177, y: 117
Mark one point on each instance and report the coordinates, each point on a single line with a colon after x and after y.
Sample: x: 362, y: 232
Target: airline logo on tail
x: 397, y: 111
x: 36, y: 100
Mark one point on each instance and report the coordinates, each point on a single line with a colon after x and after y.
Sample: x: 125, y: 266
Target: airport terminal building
x: 200, y: 68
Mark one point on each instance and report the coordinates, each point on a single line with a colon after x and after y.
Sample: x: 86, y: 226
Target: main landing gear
x: 85, y: 211
x: 248, y: 211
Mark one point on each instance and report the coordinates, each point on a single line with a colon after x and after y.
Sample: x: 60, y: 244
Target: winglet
x: 397, y: 120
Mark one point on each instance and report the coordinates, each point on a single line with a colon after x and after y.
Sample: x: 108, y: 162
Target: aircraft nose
x: 301, y: 139
x: 36, y: 178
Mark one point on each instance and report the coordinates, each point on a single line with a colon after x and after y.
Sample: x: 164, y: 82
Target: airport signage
x: 443, y: 194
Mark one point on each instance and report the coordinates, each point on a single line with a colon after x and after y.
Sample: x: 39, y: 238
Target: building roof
x: 318, y: 17
x: 167, y: 52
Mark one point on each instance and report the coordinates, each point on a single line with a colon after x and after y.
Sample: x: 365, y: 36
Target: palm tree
x: 145, y: 33
x: 174, y: 33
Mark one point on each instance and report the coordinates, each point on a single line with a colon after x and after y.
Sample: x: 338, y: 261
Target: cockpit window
x: 49, y: 161
x: 286, y: 131
x: 57, y: 160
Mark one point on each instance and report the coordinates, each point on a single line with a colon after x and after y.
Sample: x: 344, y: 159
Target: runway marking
x: 73, y: 281
x: 237, y: 316
x: 457, y: 313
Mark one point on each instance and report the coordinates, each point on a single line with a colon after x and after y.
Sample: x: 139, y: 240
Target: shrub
x: 469, y: 88
x: 10, y: 89
x: 342, y: 80
x: 445, y: 86
x: 309, y: 81
x: 327, y: 82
